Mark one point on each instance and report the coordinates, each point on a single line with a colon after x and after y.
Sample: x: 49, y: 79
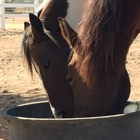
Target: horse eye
x: 46, y: 65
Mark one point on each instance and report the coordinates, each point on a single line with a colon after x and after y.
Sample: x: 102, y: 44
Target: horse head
x: 96, y: 68
x: 49, y: 58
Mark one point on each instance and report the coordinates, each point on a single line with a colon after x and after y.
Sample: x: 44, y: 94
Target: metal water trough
x: 35, y: 122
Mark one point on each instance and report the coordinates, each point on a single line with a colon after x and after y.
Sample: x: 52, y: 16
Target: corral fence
x: 16, y: 8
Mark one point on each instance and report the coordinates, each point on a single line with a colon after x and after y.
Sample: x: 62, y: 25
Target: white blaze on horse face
x: 45, y: 2
x: 54, y: 112
x: 74, y: 13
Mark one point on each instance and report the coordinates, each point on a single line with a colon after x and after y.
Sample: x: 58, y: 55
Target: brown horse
x: 96, y: 69
x: 47, y: 56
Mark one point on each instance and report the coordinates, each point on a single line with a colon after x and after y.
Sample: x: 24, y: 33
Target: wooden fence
x: 4, y: 14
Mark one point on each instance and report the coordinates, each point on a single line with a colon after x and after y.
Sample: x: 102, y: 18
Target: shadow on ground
x: 11, y: 99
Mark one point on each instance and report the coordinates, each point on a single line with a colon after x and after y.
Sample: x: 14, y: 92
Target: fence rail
x: 4, y: 5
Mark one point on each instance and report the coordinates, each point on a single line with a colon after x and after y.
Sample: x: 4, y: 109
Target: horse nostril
x: 59, y: 113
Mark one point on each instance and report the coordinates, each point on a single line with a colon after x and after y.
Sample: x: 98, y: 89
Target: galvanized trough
x: 34, y: 121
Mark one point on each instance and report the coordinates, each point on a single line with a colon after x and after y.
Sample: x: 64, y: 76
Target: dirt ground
x: 16, y: 85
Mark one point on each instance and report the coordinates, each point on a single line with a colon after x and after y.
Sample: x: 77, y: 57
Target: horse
x: 96, y: 66
x: 75, y: 8
x: 47, y: 56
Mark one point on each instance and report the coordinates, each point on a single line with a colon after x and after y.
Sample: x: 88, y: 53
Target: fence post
x: 3, y: 15
x: 36, y: 2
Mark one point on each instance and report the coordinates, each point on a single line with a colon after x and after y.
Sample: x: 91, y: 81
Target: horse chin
x: 61, y: 113
x: 58, y: 116
x: 56, y: 112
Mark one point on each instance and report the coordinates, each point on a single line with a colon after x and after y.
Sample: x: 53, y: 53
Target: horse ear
x: 26, y: 25
x: 68, y: 33
x: 36, y: 26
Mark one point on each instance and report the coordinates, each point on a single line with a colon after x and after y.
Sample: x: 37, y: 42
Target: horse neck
x: 129, y: 29
x: 109, y: 33
x: 74, y: 13
x: 40, y: 8
x: 54, y: 9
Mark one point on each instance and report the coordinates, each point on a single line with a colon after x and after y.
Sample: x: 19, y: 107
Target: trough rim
x: 65, y: 120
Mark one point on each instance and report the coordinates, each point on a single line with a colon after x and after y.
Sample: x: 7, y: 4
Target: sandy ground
x: 16, y: 85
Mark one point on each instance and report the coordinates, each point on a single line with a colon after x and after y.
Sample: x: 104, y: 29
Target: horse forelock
x: 26, y: 53
x: 97, y: 33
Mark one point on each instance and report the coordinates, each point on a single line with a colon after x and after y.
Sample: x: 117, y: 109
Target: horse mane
x: 99, y: 26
